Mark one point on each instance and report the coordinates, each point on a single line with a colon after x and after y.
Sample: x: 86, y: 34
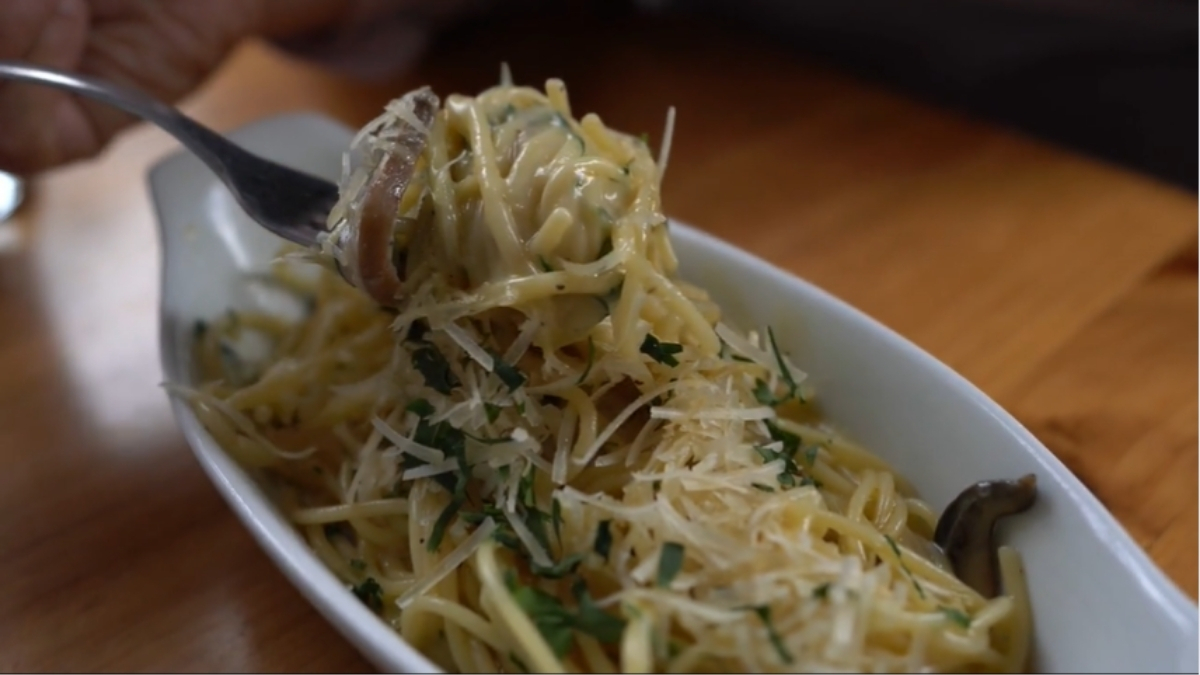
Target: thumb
x: 43, y: 127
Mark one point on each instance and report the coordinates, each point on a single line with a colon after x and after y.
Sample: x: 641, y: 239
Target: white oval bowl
x: 1099, y: 602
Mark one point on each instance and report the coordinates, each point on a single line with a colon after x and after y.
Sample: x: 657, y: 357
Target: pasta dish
x: 524, y: 442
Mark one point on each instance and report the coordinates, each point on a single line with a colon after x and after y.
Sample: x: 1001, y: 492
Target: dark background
x: 1113, y: 79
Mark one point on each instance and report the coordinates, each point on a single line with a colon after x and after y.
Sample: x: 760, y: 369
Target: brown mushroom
x: 964, y: 531
x: 372, y: 249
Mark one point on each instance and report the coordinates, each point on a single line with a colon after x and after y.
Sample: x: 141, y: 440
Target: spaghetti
x: 550, y: 453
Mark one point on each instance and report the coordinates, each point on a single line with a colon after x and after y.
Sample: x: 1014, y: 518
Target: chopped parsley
x: 662, y: 352
x: 442, y: 436
x: 605, y: 627
x: 545, y: 264
x: 822, y: 591
x: 370, y: 593
x: 493, y: 412
x: 603, y: 543
x: 783, y: 369
x: 507, y: 372
x: 791, y: 442
x: 434, y: 367
x: 810, y: 454
x: 896, y: 549
x: 560, y: 569
x: 556, y: 622
x: 791, y: 445
x: 956, y: 616
x: 533, y: 517
x: 420, y: 407
x: 477, y: 517
x: 416, y: 331
x: 762, y: 487
x: 552, y: 620
x: 556, y: 518
x: 452, y: 441
x: 763, y: 393
x: 764, y: 613
x: 457, y: 499
x: 487, y: 440
x: 670, y: 561
x: 674, y: 648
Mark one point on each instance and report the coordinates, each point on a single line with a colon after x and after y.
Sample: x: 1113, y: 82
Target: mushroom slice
x: 393, y: 159
x: 965, y: 529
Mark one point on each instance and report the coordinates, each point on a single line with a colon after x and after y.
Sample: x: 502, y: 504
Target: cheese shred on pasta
x: 548, y: 452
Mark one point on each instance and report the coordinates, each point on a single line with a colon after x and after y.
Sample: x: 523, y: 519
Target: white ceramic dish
x: 1100, y: 604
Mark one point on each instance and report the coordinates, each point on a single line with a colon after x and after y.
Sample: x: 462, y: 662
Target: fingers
x: 43, y: 127
x: 21, y: 23
x: 164, y: 48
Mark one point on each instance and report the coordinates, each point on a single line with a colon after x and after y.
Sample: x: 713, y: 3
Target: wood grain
x: 1065, y: 288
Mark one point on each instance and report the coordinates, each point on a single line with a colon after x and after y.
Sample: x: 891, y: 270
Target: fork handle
x: 209, y: 146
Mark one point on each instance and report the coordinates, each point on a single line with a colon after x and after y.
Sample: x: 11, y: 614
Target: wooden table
x: 1065, y: 289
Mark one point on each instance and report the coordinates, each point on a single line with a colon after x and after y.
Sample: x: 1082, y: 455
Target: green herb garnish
x: 764, y: 613
x: 556, y: 623
x: 956, y: 616
x: 603, y: 543
x: 822, y: 591
x: 556, y: 519
x: 670, y: 561
x: 896, y: 549
x: 370, y: 593
x: 416, y: 331
x: 552, y: 620
x: 420, y: 407
x: 791, y: 445
x: 662, y: 352
x: 810, y: 454
x: 560, y: 569
x: 434, y: 367
x: 438, y: 532
x: 763, y: 393
x: 508, y: 373
x: 763, y: 488
x: 605, y: 627
x: 493, y: 412
x: 791, y: 442
x: 783, y: 369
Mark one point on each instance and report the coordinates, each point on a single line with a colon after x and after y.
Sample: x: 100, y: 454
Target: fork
x: 290, y: 203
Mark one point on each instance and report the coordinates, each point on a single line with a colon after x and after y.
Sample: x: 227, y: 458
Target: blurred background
x: 1115, y: 79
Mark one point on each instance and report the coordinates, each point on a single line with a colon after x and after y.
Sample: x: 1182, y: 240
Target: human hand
x: 162, y: 47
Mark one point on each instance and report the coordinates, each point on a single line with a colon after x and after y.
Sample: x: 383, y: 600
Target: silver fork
x: 292, y: 204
